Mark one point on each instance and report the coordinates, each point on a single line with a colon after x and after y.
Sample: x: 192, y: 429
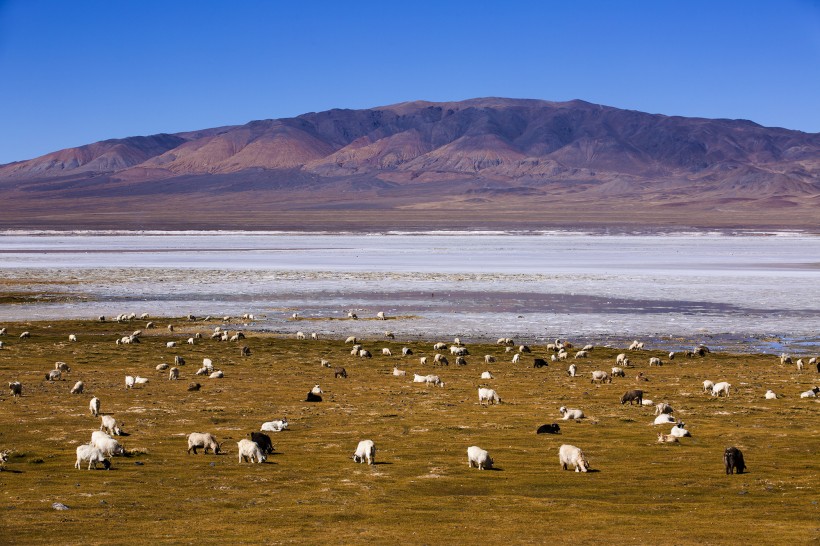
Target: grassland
x: 421, y: 491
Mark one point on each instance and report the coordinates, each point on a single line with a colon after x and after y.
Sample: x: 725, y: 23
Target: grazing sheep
x: 785, y: 359
x: 3, y: 331
x: 354, y: 351
x: 216, y: 375
x: 300, y: 335
x: 810, y: 393
x: 406, y: 351
x: 428, y: 379
x: 479, y: 458
x: 679, y: 431
x: 364, y: 353
x: 516, y: 358
x: 570, y: 413
x: 171, y: 344
x: 389, y: 335
x: 423, y: 360
x: 295, y: 316
x: 587, y: 347
x: 352, y: 315
x: 489, y: 359
x: 667, y: 439
x: 16, y: 389
x: 62, y: 366
x: 351, y: 339
x: 397, y: 372
x: 524, y: 349
x: 663, y: 407
x: 94, y: 406
x: 53, y: 375
x: 799, y: 364
x: 162, y: 367
x: 386, y: 352
x: 109, y: 424
x: 91, y: 454
x: 733, y: 460
x: 708, y: 386
x: 632, y: 395
x: 105, y: 443
x: 263, y: 441
x: 461, y: 361
x: 813, y: 361
x: 647, y: 402
x: 72, y: 338
x: 173, y: 375
x: 548, y: 429
x: 440, y: 360
x: 539, y: 363
x: 572, y: 370
x: 582, y: 354
x: 672, y: 355
x: 170, y: 327
x: 655, y: 361
x: 459, y: 351
x: 618, y: 372
x: 179, y: 361
x: 664, y: 419
x: 635, y: 346
x: 25, y: 335
x: 600, y: 376
x: 339, y: 372
x: 439, y: 346
x: 78, y: 388
x: 572, y: 456
x: 488, y: 396
x: 275, y: 426
x: 619, y: 360
x: 311, y: 397
x: 721, y: 388
x: 202, y: 371
x: 190, y: 341
x: 486, y: 375
x: 249, y: 450
x: 770, y: 395
x: 702, y: 350
x: 204, y: 440
x: 380, y: 315
x: 365, y: 451
x: 140, y: 380
x: 194, y: 387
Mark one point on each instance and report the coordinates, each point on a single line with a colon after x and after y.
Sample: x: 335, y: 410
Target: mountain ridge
x: 482, y: 155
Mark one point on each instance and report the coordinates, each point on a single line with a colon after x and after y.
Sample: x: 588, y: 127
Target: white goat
x: 479, y: 458
x: 365, y: 451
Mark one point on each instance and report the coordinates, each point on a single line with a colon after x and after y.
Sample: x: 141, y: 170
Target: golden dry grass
x: 422, y: 491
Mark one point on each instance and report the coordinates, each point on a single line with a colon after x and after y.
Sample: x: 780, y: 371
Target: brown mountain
x: 475, y: 163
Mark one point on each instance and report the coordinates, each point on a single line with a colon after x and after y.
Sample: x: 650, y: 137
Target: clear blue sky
x: 77, y: 72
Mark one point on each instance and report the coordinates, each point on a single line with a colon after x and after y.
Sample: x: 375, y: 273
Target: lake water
x: 757, y: 290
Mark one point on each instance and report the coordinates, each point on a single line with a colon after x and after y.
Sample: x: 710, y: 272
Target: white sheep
x: 190, y: 341
x: 516, y: 358
x: 162, y: 367
x: 351, y: 339
x: 572, y: 456
x: 489, y: 359
x: 204, y: 440
x: 406, y: 351
x: 171, y: 344
x: 94, y: 406
x: 582, y: 354
x: 720, y: 389
x: 486, y: 375
x: 439, y: 346
x: 432, y: 379
x: 173, y: 375
x: 678, y: 431
x: 708, y: 386
x: 364, y: 353
x: 570, y: 413
x: 770, y: 395
x: 53, y: 375
x: 423, y: 360
x: 479, y: 458
x: 663, y: 419
x: 647, y: 402
x: 72, y: 337
x: 812, y: 393
x: 572, y: 370
x: 314, y: 336
x: 62, y: 366
x: 380, y: 315
x: 25, y: 335
x: 78, y: 388
x: 249, y: 450
x: 587, y: 347
x: 300, y: 335
x: 365, y: 451
x: 216, y: 375
x: 488, y: 396
x: 208, y: 364
x: 619, y: 360
x: 799, y: 364
x: 601, y: 376
x: 109, y: 424
x: 105, y: 443
x: 140, y: 380
x: 397, y: 372
x: 275, y: 426
x: 655, y: 361
x: 672, y: 355
x: 386, y: 352
x: 663, y: 407
x: 618, y: 372
x: 91, y: 454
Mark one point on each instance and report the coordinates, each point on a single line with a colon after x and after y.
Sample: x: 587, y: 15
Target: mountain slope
x: 486, y: 156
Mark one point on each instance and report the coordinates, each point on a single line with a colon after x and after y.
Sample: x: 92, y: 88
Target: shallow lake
x: 756, y: 289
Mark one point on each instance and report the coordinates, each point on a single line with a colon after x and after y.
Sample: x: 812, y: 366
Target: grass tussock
x: 421, y: 490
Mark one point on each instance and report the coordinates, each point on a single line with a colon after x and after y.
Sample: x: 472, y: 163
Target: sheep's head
x: 218, y: 448
x: 106, y: 464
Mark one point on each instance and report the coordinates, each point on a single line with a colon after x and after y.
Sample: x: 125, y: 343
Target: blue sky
x: 78, y: 72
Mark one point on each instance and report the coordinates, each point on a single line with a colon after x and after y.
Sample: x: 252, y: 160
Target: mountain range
x: 479, y: 163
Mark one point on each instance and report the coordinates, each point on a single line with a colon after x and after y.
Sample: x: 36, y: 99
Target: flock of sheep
x: 103, y: 445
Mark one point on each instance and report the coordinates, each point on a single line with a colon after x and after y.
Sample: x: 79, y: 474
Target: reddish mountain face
x: 482, y: 155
